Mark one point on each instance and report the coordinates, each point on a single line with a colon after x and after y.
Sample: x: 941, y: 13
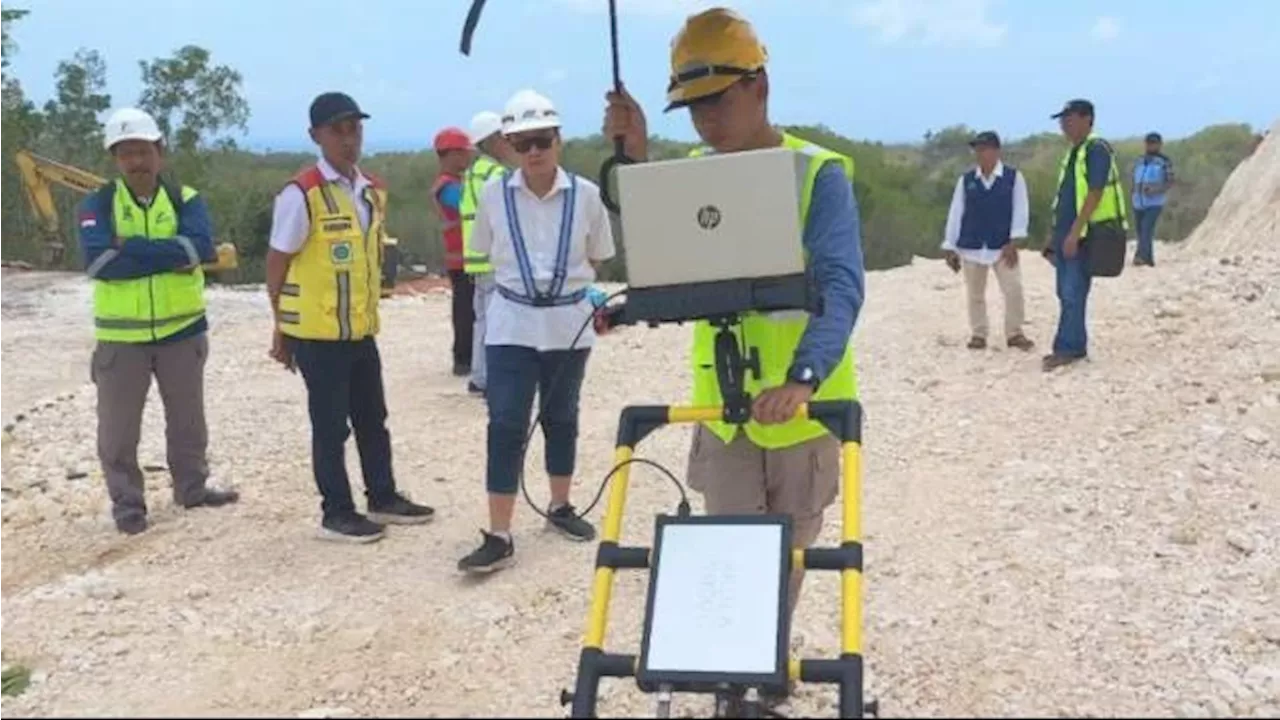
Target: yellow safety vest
x: 151, y: 308
x: 332, y: 289
x: 1111, y: 206
x: 776, y: 336
x: 473, y: 180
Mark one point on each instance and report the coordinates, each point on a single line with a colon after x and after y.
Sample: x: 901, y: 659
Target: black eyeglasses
x: 542, y: 142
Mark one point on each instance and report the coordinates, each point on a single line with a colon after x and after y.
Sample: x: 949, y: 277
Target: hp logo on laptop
x: 708, y: 217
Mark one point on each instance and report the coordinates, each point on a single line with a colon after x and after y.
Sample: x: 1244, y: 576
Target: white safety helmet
x: 527, y: 110
x: 483, y: 125
x: 130, y: 124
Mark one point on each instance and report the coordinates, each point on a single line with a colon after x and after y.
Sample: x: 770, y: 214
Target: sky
x: 887, y: 70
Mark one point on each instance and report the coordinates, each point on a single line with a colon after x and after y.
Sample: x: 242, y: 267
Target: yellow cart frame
x: 844, y: 420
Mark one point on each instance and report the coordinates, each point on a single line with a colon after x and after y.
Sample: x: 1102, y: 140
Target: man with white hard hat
x: 546, y: 233
x: 494, y: 154
x: 144, y: 239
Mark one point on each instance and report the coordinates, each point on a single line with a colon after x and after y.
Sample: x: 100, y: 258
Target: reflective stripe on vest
x: 151, y: 308
x: 473, y: 180
x: 334, y: 282
x: 532, y: 296
x: 1111, y: 204
x: 776, y: 336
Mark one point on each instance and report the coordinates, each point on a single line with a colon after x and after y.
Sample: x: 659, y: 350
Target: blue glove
x: 597, y: 296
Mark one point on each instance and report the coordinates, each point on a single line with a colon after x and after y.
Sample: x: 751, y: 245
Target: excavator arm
x: 39, y: 174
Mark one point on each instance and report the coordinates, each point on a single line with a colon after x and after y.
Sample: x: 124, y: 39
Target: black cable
x: 683, y: 507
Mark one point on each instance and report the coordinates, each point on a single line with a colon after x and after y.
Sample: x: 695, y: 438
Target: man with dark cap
x: 1088, y: 195
x: 1152, y: 178
x: 988, y: 214
x: 323, y: 281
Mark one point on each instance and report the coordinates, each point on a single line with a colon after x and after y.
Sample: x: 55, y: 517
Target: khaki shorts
x: 742, y: 478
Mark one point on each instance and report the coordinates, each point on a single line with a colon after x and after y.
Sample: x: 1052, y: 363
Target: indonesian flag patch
x: 88, y: 220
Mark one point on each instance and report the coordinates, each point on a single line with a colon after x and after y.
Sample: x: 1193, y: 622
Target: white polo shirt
x: 290, y: 222
x: 591, y: 240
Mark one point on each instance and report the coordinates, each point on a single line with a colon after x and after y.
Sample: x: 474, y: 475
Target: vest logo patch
x: 340, y: 252
x: 335, y: 226
x: 708, y: 217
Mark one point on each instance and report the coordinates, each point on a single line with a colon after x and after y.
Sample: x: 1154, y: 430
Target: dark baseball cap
x: 1154, y: 137
x: 1075, y: 107
x: 331, y: 107
x: 986, y: 137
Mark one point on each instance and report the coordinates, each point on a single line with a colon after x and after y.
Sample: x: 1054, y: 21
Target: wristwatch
x: 804, y: 375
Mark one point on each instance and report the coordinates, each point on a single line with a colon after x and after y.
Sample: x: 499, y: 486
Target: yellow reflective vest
x: 332, y: 289
x: 1111, y: 205
x: 481, y: 171
x: 151, y: 308
x: 776, y: 336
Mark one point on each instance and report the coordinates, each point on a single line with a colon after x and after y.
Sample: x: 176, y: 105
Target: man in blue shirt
x: 1066, y: 251
x: 1152, y: 178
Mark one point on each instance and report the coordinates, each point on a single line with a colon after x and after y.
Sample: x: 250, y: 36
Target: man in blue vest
x: 988, y: 215
x: 1152, y: 178
x: 143, y: 240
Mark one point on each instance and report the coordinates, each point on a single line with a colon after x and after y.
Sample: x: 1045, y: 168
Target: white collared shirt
x: 290, y: 220
x: 542, y: 328
x: 1018, y: 229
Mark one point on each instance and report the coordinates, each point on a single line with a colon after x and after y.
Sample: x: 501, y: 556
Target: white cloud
x: 555, y: 76
x: 955, y: 23
x: 1105, y: 29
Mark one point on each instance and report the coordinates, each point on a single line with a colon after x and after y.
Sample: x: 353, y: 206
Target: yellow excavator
x: 40, y: 173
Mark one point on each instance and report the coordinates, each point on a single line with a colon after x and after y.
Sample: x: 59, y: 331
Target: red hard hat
x: 452, y: 138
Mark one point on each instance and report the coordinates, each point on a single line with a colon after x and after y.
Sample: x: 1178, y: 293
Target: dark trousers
x: 1147, y: 218
x: 464, y: 317
x: 516, y: 374
x: 1073, y: 284
x: 344, y: 382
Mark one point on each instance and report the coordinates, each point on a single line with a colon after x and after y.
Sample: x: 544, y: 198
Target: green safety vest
x: 473, y: 180
x: 147, y: 309
x: 1111, y: 206
x: 776, y: 335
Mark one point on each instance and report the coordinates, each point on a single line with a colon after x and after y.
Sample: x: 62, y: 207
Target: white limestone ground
x: 1099, y: 540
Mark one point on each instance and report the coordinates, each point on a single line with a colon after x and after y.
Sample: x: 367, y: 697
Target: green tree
x: 72, y: 131
x: 192, y: 100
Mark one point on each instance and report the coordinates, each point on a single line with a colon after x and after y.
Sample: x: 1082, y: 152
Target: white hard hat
x: 527, y: 110
x: 483, y: 125
x: 131, y: 124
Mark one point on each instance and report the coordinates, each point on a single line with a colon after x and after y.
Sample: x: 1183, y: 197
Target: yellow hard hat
x: 714, y: 49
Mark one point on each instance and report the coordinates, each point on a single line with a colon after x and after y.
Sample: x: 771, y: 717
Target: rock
x: 327, y: 712
x: 1097, y: 572
x: 1242, y: 542
x: 1271, y: 374
x: 1168, y: 310
x: 1192, y: 710
x: 77, y: 474
x: 197, y: 592
x: 1185, y: 535
x: 1256, y: 436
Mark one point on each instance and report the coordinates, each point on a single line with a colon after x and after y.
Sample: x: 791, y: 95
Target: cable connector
x: 682, y: 509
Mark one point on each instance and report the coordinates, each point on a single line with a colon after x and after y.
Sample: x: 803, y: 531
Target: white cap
x: 527, y: 110
x: 130, y: 124
x: 483, y: 125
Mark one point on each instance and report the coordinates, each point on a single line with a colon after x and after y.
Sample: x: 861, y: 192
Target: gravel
x: 1100, y: 540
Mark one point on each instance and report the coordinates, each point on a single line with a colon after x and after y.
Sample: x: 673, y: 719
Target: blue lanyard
x: 561, y: 270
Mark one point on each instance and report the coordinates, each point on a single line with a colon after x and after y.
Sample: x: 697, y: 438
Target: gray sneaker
x: 566, y: 521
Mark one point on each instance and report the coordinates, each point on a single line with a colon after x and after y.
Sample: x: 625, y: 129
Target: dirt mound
x: 1246, y: 214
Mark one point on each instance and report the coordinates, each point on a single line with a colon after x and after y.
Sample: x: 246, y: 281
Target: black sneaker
x: 475, y: 389
x: 131, y: 524
x: 352, y: 528
x: 400, y: 512
x: 566, y: 521
x: 214, y: 498
x: 494, y: 553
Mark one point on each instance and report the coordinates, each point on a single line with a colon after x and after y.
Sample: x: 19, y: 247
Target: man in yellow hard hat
x: 774, y: 463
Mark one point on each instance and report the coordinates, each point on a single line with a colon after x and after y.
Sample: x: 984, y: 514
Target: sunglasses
x: 525, y: 144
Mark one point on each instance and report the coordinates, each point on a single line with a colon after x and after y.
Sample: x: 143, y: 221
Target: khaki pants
x: 122, y: 373
x: 741, y: 478
x: 1010, y: 280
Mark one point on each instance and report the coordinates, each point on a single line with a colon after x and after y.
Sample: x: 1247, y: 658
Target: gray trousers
x: 485, y: 287
x: 122, y: 373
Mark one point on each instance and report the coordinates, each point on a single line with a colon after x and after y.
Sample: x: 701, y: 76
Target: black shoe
x: 460, y: 370
x: 566, y: 521
x: 214, y: 498
x: 1055, y: 361
x: 350, y: 527
x: 475, y: 389
x: 131, y: 524
x: 400, y: 512
x: 494, y: 553
x: 977, y: 343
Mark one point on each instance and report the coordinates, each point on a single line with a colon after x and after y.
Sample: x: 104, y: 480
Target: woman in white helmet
x: 546, y: 232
